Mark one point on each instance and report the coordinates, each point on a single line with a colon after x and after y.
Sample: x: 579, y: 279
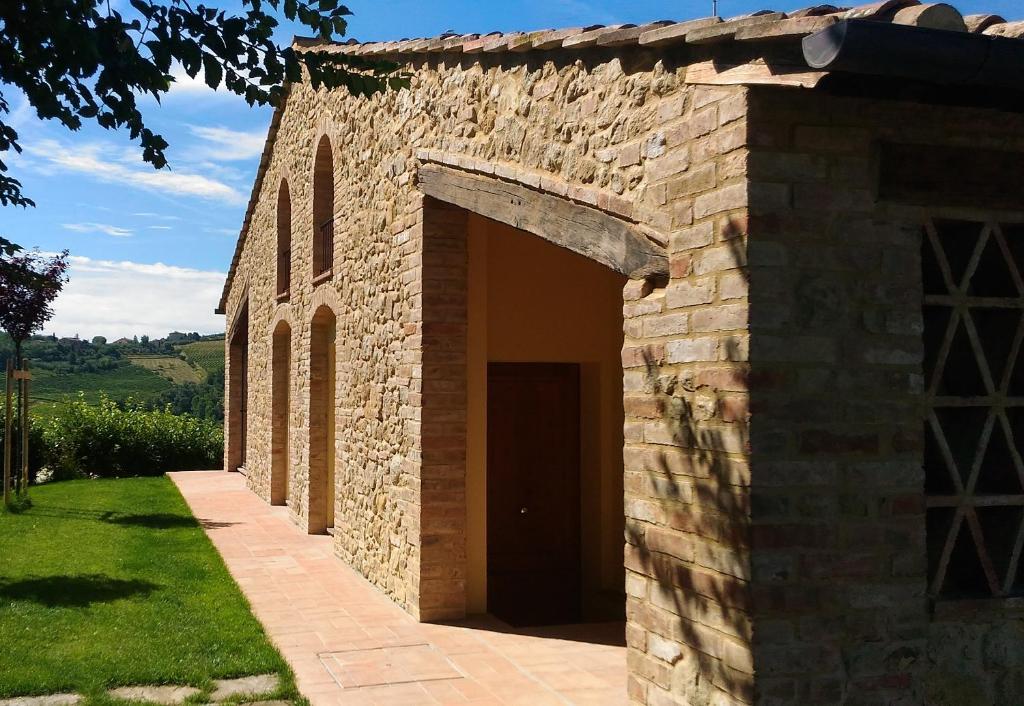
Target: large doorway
x: 533, y: 493
x: 322, y: 429
x: 544, y: 476
x: 238, y: 397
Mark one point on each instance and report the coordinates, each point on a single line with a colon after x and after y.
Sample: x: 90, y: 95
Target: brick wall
x: 841, y: 612
x: 686, y: 447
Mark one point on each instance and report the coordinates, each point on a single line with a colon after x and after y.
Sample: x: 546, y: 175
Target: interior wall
x: 531, y: 301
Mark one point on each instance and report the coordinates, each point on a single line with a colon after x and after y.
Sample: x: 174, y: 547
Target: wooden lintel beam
x: 613, y: 242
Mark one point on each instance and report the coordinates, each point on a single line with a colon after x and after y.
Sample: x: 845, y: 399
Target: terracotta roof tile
x: 501, y: 41
x: 877, y: 10
x: 979, y: 23
x: 933, y: 16
x: 589, y: 39
x: 725, y: 30
x: 552, y: 39
x: 524, y: 42
x: 457, y: 43
x: 629, y: 35
x: 676, y: 33
x: 783, y: 29
x: 816, y: 11
x: 475, y: 46
x: 1007, y: 29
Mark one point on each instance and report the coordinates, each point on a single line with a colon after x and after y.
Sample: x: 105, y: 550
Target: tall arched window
x: 323, y: 209
x: 284, y: 241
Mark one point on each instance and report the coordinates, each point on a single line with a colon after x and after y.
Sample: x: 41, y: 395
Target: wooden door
x: 533, y: 492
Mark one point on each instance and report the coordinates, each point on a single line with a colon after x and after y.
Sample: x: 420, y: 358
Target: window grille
x: 974, y: 430
x: 323, y: 255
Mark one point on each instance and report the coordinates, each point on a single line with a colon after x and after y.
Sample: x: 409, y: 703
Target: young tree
x: 29, y: 282
x: 81, y: 60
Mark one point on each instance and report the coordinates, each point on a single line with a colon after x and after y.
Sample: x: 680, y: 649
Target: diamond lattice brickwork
x: 974, y: 432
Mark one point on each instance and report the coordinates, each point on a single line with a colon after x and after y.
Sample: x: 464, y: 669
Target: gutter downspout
x: 917, y: 53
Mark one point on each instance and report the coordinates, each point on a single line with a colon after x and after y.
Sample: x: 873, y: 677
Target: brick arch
x: 280, y: 407
x: 322, y: 408
x: 282, y: 313
x: 324, y: 296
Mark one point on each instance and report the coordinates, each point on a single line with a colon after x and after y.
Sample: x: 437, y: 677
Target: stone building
x: 745, y: 293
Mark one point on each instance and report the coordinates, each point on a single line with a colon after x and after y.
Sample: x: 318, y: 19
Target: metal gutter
x: 917, y: 53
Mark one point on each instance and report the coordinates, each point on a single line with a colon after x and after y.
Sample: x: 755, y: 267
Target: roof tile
x: 816, y: 11
x: 554, y: 38
x: 933, y: 16
x: 500, y: 42
x: 783, y: 29
x: 725, y: 30
x: 877, y: 10
x: 1007, y: 29
x: 629, y: 35
x: 979, y: 23
x: 589, y: 39
x: 475, y: 46
x: 676, y: 33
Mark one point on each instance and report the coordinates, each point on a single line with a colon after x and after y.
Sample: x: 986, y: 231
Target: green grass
x: 208, y: 355
x: 108, y: 583
x: 50, y: 391
x: 169, y: 367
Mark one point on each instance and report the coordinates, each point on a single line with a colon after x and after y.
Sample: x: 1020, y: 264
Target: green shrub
x: 108, y: 441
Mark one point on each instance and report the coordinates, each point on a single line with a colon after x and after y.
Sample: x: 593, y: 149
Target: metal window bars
x: 974, y: 428
x: 323, y: 248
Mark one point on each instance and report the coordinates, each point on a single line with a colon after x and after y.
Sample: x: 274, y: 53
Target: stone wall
x: 612, y: 137
x: 837, y: 487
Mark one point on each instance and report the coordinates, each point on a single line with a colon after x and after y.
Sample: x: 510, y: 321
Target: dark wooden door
x: 533, y: 492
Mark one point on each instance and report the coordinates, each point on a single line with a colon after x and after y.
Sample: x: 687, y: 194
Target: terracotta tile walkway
x: 349, y: 644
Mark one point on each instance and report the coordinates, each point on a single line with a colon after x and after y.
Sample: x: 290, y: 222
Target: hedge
x: 108, y: 440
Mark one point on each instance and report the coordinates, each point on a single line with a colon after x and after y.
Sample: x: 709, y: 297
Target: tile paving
x: 348, y: 643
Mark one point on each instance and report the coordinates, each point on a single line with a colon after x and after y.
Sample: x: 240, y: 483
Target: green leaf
x: 213, y: 71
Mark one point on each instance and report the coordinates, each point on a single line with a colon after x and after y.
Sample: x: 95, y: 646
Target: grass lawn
x: 113, y: 582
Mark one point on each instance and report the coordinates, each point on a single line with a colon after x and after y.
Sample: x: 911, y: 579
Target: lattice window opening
x: 974, y: 430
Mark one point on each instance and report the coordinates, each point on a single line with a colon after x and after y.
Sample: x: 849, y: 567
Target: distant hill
x: 207, y: 355
x: 185, y: 371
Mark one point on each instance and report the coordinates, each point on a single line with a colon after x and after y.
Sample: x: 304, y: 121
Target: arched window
x: 284, y: 241
x: 323, y: 209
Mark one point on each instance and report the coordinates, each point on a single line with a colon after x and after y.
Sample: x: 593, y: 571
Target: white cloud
x: 159, y: 227
x: 110, y: 165
x: 115, y: 231
x: 221, y: 231
x: 114, y: 299
x: 184, y: 84
x: 160, y: 216
x: 229, y: 145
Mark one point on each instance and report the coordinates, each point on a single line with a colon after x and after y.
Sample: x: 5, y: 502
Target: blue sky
x: 151, y: 247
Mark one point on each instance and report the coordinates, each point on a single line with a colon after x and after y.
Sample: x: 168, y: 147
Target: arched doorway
x: 238, y: 390
x: 322, y: 420
x: 280, y: 414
